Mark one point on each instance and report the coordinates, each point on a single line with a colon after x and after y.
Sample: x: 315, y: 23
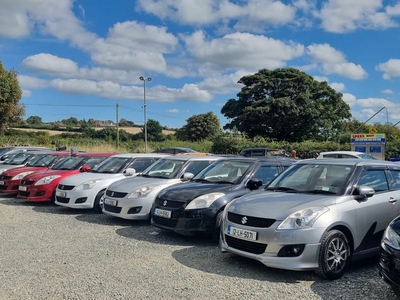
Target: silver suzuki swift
x: 318, y: 215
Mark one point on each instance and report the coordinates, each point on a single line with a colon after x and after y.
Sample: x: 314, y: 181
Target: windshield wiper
x: 201, y: 180
x: 223, y: 181
x: 281, y: 188
x: 318, y: 192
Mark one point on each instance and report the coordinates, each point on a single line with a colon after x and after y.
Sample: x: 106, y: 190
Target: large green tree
x: 199, y: 127
x: 34, y: 120
x: 286, y: 105
x: 11, y: 111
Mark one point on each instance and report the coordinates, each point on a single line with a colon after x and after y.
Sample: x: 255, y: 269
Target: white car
x: 132, y: 198
x: 345, y: 154
x: 85, y: 190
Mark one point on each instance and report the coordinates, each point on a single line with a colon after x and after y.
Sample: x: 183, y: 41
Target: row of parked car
x: 314, y: 214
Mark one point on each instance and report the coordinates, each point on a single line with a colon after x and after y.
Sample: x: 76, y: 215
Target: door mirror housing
x: 254, y: 184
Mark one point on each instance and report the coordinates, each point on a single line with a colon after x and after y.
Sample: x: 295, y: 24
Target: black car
x: 195, y: 207
x: 389, y: 260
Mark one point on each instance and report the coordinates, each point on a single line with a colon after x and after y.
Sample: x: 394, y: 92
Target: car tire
x: 334, y: 255
x: 99, y: 202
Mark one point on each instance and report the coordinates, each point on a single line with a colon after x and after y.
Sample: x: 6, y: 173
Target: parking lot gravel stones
x: 52, y: 252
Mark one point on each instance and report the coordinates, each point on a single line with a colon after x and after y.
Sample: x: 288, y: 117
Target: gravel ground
x: 52, y: 252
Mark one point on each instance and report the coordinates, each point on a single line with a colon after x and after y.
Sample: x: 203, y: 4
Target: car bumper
x: 190, y: 222
x: 389, y: 265
x: 83, y: 199
x: 129, y: 209
x: 40, y: 193
x: 10, y: 186
x: 268, y: 250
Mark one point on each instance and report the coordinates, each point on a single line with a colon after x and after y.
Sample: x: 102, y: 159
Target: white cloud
x: 343, y: 15
x: 391, y: 68
x: 349, y: 99
x: 174, y: 111
x: 332, y: 61
x: 242, y: 50
x: 48, y: 63
x: 223, y: 84
x: 387, y: 91
x: 337, y: 86
x: 205, y: 12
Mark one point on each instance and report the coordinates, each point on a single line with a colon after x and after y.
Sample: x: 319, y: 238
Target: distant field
x: 131, y: 130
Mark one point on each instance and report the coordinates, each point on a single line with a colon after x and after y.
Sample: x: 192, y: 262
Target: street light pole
x: 144, y: 79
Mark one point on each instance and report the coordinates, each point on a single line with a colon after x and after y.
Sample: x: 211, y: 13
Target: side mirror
x: 363, y: 192
x: 85, y: 168
x: 188, y: 175
x: 129, y: 172
x: 254, y: 184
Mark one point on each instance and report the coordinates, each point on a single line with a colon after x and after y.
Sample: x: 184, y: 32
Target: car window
x: 266, y: 173
x: 375, y: 179
x: 141, y: 164
x: 112, y: 165
x: 195, y: 167
x: 366, y: 156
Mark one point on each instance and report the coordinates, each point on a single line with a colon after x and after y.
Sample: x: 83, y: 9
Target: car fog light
x: 291, y: 250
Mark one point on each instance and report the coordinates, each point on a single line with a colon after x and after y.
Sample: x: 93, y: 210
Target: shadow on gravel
x: 152, y: 234
x: 216, y: 262
x: 103, y: 219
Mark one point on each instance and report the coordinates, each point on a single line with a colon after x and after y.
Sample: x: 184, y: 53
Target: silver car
x: 317, y: 215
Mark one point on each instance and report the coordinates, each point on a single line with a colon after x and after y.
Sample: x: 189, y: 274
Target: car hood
x: 82, y: 177
x: 128, y: 185
x: 41, y: 174
x: 188, y: 191
x: 277, y: 205
x: 22, y: 169
x: 4, y: 167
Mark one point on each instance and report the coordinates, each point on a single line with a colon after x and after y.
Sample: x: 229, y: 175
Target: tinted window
x: 267, y: 173
x: 396, y: 179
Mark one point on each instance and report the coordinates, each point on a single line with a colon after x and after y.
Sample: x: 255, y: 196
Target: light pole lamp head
x: 141, y: 78
x: 149, y: 79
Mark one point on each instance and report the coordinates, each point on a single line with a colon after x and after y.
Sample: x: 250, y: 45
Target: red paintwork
x: 45, y: 192
x: 10, y: 186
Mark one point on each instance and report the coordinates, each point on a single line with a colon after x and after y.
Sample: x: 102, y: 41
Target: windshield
x: 224, y: 172
x: 366, y: 156
x: 19, y: 158
x: 321, y: 178
x: 112, y: 165
x: 164, y: 168
x: 71, y: 163
x: 44, y: 160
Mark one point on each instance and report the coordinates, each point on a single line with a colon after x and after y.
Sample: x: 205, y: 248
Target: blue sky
x: 81, y: 58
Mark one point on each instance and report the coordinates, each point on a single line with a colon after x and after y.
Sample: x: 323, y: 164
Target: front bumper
x: 271, y: 243
x: 129, y: 209
x: 10, y: 186
x: 83, y: 199
x: 389, y: 265
x: 39, y: 193
x: 187, y: 222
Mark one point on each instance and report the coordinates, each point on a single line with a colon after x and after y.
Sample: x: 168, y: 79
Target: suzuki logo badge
x: 112, y: 194
x: 244, y: 220
x: 164, y: 203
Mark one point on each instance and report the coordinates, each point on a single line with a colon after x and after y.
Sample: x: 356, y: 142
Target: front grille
x: 165, y: 221
x: 25, y: 194
x: 113, y: 209
x: 250, y: 221
x: 115, y: 194
x: 3, y: 187
x: 65, y: 187
x: 5, y: 177
x: 27, y: 182
x: 246, y: 246
x: 169, y: 203
x: 62, y: 200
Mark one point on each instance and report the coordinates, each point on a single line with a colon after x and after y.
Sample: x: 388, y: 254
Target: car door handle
x: 392, y: 200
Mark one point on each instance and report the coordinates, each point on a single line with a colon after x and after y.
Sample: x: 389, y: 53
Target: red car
x: 10, y: 179
x: 41, y: 186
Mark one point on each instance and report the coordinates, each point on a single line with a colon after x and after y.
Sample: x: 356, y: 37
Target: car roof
x: 349, y: 162
x: 193, y: 157
x: 93, y: 153
x: 129, y: 155
x: 342, y: 152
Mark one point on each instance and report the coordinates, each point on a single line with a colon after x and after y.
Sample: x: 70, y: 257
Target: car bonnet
x: 277, y: 205
x: 128, y: 185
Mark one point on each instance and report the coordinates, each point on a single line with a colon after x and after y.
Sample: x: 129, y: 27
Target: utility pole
x: 117, y: 126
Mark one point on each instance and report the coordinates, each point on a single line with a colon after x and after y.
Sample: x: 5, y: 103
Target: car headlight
x: 204, y: 201
x: 87, y: 185
x: 143, y: 191
x: 21, y: 175
x: 302, y: 219
x: 47, y: 180
x: 391, y: 238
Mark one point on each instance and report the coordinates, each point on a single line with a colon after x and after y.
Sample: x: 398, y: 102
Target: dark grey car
x: 317, y: 215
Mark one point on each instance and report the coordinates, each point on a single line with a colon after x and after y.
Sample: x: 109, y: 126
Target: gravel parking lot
x: 52, y: 252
